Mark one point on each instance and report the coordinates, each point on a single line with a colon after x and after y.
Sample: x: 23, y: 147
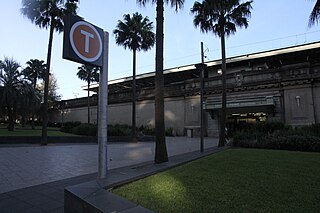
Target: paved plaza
x: 24, y: 166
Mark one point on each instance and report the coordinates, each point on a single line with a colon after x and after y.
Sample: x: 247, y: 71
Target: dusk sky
x: 273, y: 24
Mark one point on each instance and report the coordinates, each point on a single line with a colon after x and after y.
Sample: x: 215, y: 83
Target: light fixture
x: 298, y: 100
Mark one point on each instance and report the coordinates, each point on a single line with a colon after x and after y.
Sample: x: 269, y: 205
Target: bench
x: 191, y: 130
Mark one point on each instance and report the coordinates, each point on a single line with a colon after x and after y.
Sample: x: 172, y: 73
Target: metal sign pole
x: 201, y: 102
x: 89, y: 44
x: 201, y: 67
x: 103, y: 111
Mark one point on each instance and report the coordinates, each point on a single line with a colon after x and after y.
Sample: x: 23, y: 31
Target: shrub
x: 119, y: 130
x: 85, y: 129
x: 270, y: 127
x: 292, y: 142
x: 241, y: 137
x: 51, y: 124
x: 68, y: 126
x: 279, y: 136
x: 147, y: 130
x: 170, y: 132
x: 313, y: 130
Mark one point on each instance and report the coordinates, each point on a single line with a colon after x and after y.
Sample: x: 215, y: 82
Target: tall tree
x: 34, y: 71
x: 48, y: 13
x: 161, y: 154
x: 315, y: 14
x: 29, y: 101
x: 11, y: 84
x: 134, y: 33
x: 89, y: 74
x: 221, y: 17
x: 53, y: 95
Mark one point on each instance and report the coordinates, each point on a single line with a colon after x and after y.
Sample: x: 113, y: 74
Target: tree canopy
x: 135, y: 33
x: 16, y: 92
x: 315, y: 14
x: 221, y: 17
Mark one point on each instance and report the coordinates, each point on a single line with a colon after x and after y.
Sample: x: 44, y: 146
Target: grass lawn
x: 27, y: 131
x: 236, y: 180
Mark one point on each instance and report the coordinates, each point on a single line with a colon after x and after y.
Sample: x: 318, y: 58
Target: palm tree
x: 48, y: 13
x: 315, y: 14
x: 29, y: 101
x: 89, y: 74
x: 35, y: 70
x: 161, y: 154
x: 221, y: 17
x: 10, y: 86
x: 135, y: 33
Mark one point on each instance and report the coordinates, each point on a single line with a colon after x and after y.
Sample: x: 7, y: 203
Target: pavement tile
x: 8, y: 202
x: 28, y: 196
x: 33, y: 210
x: 13, y: 205
x: 39, y: 201
x: 38, y: 188
x: 16, y: 192
x: 50, y: 206
x: 26, y: 166
x: 57, y: 196
x: 48, y: 190
x: 58, y: 210
x: 4, y: 196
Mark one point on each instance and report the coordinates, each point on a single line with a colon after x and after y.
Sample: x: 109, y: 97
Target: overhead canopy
x: 257, y: 104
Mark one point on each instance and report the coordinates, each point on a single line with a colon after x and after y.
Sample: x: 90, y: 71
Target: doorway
x: 239, y: 121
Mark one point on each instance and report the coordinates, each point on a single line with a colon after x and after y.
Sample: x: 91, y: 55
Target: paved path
x: 50, y: 197
x: 22, y: 167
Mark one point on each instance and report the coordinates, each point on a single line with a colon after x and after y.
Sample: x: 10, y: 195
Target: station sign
x: 82, y: 41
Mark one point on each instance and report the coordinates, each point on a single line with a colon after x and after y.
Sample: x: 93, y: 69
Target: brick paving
x: 32, y: 178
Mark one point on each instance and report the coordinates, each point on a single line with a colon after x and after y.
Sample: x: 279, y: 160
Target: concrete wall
x: 299, y: 106
x: 178, y: 113
x: 316, y: 101
x: 294, y: 105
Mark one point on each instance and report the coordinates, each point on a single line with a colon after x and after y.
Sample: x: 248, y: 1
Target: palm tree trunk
x: 23, y: 117
x: 32, y: 112
x: 44, y: 138
x: 161, y: 154
x: 134, y: 129
x: 32, y: 119
x: 88, y: 80
x: 224, y: 95
x: 11, y: 119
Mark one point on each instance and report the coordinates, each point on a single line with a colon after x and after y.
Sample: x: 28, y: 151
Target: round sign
x: 85, y: 41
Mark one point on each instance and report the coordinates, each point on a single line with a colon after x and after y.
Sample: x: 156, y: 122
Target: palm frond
x: 217, y: 15
x: 43, y: 12
x: 315, y: 14
x: 135, y: 32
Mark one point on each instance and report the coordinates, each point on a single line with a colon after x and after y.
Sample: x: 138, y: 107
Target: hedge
x: 275, y: 136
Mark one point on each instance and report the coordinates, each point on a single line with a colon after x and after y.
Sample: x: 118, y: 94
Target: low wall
x: 72, y: 139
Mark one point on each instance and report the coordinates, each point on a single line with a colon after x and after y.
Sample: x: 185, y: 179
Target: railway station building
x: 276, y: 85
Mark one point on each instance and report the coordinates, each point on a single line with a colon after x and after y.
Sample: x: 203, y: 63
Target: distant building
x: 282, y: 85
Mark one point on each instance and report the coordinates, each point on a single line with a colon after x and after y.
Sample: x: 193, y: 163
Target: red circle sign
x: 85, y: 41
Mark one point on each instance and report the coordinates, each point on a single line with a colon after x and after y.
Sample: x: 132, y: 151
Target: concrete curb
x: 93, y: 196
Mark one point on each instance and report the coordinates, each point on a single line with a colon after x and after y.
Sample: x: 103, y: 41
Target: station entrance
x: 239, y: 121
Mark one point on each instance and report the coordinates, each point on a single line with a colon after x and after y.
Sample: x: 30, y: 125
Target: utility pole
x: 202, y: 66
